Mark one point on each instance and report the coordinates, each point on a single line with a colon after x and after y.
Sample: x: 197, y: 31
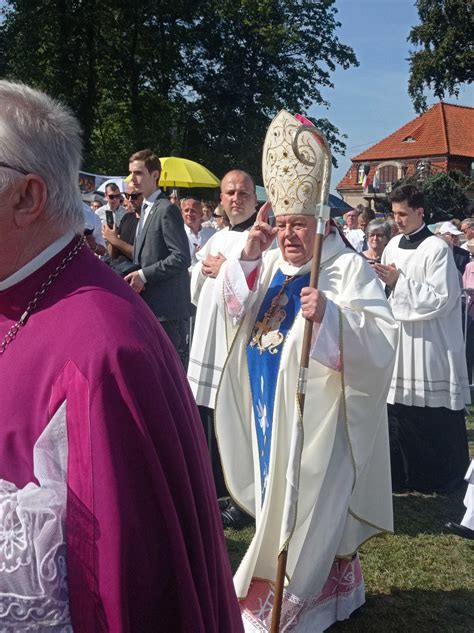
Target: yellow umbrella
x: 181, y: 172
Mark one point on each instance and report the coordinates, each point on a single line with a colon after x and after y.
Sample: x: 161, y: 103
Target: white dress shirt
x: 145, y: 212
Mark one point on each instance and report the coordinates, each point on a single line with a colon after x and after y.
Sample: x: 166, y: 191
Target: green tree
x: 250, y: 59
x: 444, y: 197
x: 444, y: 57
x: 444, y: 194
x: 199, y: 78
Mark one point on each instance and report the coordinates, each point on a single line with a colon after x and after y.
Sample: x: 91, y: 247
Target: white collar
x: 38, y: 261
x: 409, y: 235
x: 152, y: 197
x: 190, y: 232
x: 332, y: 246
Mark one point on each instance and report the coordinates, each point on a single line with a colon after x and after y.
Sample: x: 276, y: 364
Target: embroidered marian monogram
x: 266, y: 335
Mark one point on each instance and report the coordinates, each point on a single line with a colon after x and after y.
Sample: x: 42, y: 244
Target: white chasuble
x: 342, y: 495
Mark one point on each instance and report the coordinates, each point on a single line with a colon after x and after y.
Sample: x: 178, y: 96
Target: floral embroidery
x: 33, y: 578
x: 13, y: 533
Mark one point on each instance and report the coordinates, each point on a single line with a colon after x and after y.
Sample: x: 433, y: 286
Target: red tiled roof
x: 349, y: 180
x: 444, y: 129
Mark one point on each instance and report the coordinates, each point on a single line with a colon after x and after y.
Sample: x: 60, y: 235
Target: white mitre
x: 296, y: 166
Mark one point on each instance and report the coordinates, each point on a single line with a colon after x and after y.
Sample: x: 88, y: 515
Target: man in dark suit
x: 161, y: 251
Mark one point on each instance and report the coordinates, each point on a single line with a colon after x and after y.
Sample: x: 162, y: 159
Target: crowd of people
x: 150, y: 368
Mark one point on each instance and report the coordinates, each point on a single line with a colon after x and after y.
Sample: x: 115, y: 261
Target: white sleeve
x: 413, y: 300
x: 197, y: 278
x: 98, y: 231
x: 233, y: 294
x: 325, y: 343
x: 350, y: 327
x: 197, y: 282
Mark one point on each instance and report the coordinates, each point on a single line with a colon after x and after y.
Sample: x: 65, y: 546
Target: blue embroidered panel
x: 263, y: 358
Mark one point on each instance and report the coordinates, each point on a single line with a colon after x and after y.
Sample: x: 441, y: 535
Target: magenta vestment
x: 144, y: 545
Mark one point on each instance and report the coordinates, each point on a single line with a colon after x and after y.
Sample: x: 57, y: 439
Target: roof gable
x: 442, y: 130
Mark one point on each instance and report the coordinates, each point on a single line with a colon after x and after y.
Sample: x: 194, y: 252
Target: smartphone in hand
x: 109, y: 218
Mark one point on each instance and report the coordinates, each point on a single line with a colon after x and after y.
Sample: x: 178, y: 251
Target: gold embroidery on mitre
x: 293, y: 187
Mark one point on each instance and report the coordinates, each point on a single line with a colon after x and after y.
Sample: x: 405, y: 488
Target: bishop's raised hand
x: 261, y: 235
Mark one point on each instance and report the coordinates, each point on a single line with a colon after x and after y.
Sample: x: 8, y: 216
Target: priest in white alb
x: 344, y: 490
x: 429, y: 387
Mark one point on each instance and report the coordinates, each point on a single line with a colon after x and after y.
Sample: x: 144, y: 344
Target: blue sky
x: 371, y: 101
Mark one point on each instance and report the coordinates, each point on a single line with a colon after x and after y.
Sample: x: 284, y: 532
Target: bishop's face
x: 296, y: 235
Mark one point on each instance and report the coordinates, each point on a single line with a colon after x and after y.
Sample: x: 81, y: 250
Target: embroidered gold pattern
x: 266, y: 335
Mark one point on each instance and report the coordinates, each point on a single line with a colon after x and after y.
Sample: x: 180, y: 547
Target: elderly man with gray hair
x: 467, y: 227
x: 107, y: 510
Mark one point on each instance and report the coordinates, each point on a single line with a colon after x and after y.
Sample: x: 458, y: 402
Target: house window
x: 360, y: 174
x: 388, y: 175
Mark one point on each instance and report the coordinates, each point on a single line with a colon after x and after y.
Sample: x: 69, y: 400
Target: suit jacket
x: 162, y: 252
x: 461, y: 258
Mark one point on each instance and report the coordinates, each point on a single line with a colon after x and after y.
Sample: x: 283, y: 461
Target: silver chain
x: 13, y: 331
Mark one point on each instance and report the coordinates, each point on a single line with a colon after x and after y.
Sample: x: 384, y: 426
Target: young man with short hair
x: 161, y: 252
x: 429, y: 387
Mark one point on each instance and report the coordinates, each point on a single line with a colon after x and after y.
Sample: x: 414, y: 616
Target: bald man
x: 211, y: 336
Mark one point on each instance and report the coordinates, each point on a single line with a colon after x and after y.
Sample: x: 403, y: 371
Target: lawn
x: 418, y: 580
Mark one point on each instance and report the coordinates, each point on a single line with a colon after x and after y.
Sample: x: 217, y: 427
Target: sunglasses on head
x: 132, y: 196
x: 114, y: 196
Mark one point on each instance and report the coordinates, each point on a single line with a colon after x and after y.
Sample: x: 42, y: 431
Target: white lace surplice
x: 33, y: 585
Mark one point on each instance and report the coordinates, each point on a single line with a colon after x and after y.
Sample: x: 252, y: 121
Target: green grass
x: 418, y: 580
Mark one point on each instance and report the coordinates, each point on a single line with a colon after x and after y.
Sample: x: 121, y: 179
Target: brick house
x: 439, y: 140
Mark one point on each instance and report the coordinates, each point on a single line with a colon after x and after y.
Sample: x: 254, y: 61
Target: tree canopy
x: 196, y: 78
x: 445, y: 197
x: 444, y: 57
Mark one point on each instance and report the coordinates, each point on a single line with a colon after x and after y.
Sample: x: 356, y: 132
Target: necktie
x: 138, y: 234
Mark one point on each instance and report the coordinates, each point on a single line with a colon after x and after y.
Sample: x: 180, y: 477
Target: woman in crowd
x: 378, y: 234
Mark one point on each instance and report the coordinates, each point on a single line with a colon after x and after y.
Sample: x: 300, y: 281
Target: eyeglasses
x: 19, y: 169
x: 216, y: 215
x: 132, y: 196
x: 379, y: 236
x: 114, y: 196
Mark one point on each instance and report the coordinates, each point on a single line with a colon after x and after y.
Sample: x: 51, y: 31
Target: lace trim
x: 33, y: 574
x: 235, y: 307
x: 345, y: 580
